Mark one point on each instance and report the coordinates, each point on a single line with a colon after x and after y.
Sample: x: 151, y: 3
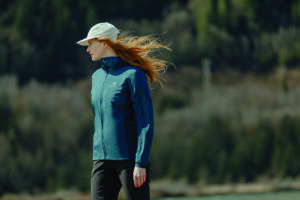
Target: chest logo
x: 114, y: 84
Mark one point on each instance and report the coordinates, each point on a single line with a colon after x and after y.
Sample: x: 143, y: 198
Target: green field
x: 288, y: 195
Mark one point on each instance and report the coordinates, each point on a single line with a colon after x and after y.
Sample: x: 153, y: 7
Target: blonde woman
x: 123, y: 111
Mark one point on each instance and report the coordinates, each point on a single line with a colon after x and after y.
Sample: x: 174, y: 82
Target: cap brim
x: 84, y: 42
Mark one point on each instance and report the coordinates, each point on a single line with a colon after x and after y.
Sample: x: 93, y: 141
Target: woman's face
x: 96, y: 49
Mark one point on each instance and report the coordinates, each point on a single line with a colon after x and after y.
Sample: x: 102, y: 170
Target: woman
x: 123, y: 111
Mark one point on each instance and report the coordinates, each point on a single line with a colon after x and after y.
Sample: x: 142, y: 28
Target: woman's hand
x: 139, y: 176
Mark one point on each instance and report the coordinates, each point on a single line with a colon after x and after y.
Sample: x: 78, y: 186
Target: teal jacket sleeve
x: 143, y: 109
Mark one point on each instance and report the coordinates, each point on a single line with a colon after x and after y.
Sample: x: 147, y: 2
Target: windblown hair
x: 140, y: 52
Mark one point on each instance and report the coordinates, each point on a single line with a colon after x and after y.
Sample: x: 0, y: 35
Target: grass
x: 284, y: 195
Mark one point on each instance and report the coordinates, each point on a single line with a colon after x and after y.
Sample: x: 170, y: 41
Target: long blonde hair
x: 140, y: 52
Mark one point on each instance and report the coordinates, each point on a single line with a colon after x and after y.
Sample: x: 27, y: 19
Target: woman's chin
x: 95, y: 59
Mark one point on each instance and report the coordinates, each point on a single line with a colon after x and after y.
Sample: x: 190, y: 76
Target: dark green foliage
x: 133, y: 9
x: 47, y: 144
x: 262, y: 143
x: 172, y: 101
x: 287, y: 148
x: 6, y: 113
x: 39, y: 37
x: 237, y: 34
x: 46, y: 137
x: 219, y: 153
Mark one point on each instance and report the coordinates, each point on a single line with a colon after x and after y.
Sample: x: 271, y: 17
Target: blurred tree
x: 47, y: 126
x: 241, y: 161
x: 223, y: 33
x: 216, y: 147
x: 39, y: 37
x: 269, y: 15
x: 262, y: 147
x: 179, y: 32
x: 287, y: 148
x: 227, y: 31
x: 133, y: 9
x: 40, y: 40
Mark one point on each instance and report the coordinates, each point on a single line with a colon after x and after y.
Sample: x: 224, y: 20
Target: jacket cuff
x: 140, y: 165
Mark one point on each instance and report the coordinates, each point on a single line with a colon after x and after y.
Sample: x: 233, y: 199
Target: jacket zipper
x: 101, y: 114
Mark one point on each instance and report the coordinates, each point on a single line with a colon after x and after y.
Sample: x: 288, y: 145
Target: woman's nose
x: 88, y: 50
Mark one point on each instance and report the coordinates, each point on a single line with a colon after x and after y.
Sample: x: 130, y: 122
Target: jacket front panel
x: 123, y: 114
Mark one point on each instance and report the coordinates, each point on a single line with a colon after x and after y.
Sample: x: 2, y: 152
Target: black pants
x: 109, y: 176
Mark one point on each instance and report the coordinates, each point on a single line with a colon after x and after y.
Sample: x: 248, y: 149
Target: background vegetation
x: 229, y: 112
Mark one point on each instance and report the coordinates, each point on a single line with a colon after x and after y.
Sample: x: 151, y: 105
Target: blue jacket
x: 123, y: 112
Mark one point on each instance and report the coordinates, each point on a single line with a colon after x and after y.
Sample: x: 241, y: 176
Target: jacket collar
x: 111, y: 63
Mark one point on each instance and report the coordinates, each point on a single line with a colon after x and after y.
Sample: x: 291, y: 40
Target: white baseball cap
x: 101, y: 30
